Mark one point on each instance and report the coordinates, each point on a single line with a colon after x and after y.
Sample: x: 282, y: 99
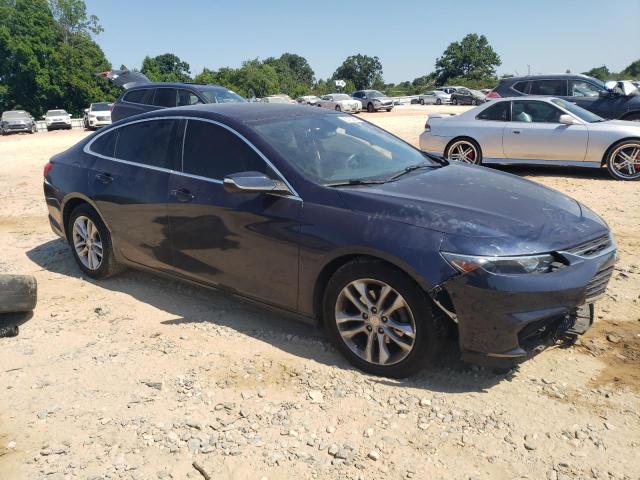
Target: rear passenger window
x: 522, y: 87
x: 139, y: 96
x: 498, y: 112
x: 151, y: 143
x: 213, y: 152
x: 185, y: 98
x: 105, y: 143
x: 547, y: 87
x: 165, y: 97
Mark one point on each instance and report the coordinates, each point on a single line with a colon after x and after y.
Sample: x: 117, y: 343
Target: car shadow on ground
x: 553, y: 171
x: 199, y: 305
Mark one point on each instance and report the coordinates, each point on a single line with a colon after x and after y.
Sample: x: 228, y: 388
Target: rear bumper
x: 504, y: 319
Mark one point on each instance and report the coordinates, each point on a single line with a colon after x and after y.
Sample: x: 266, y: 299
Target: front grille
x: 598, y: 284
x: 591, y: 248
x: 103, y: 119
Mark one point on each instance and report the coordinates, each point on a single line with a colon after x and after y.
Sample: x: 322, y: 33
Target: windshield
x: 341, y: 96
x: 56, y: 112
x: 374, y: 94
x: 220, y: 95
x: 14, y: 115
x: 579, y: 112
x: 99, y: 107
x: 331, y: 148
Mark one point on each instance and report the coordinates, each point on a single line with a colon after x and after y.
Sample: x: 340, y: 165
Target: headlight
x: 375, y: 100
x: 504, y: 265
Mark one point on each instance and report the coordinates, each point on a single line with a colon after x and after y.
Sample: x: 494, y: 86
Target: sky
x: 407, y: 35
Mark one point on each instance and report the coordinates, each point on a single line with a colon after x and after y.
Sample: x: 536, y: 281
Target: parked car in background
x: 434, y: 97
x: 140, y: 95
x: 57, y: 119
x: 302, y: 209
x: 97, y: 115
x: 449, y: 90
x: 373, y: 100
x: 466, y: 96
x: 613, y: 100
x: 279, y: 98
x: 536, y: 131
x: 340, y: 102
x: 13, y: 121
x: 307, y: 100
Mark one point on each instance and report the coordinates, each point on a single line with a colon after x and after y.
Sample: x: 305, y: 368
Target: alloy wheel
x: 375, y: 321
x: 463, y: 151
x: 625, y: 160
x: 87, y: 242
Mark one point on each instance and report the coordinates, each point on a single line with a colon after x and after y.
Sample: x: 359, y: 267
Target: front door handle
x: 182, y: 195
x: 515, y: 132
x: 104, y: 177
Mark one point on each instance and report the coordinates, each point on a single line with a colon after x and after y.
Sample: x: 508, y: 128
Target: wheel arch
x: 71, y: 202
x: 603, y: 161
x: 334, y: 264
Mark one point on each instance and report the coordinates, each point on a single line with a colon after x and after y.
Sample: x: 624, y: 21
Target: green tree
x: 39, y: 70
x: 295, y: 75
x: 601, y: 73
x: 73, y: 20
x: 166, y: 68
x: 472, y: 58
x: 632, y: 70
x: 364, y: 71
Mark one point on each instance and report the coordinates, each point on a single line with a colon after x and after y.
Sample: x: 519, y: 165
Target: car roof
x: 173, y: 85
x: 240, y: 111
x: 549, y: 76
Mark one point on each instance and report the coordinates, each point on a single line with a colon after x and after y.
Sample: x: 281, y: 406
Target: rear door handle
x: 104, y: 177
x: 182, y: 195
x: 515, y: 132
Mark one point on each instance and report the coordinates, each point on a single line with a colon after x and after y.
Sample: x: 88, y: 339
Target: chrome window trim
x: 87, y: 149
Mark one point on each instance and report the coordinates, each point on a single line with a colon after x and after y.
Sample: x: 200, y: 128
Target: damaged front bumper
x: 504, y: 319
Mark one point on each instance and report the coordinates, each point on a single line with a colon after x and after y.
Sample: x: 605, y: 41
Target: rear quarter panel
x: 602, y: 137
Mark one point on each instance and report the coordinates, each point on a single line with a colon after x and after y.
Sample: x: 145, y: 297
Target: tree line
x: 48, y: 59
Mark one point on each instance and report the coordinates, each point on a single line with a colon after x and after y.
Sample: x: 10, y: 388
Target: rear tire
x: 623, y: 160
x: 417, y: 324
x: 107, y: 266
x: 634, y: 117
x: 438, y: 102
x: 422, y: 101
x: 454, y: 101
x: 338, y: 108
x: 456, y: 150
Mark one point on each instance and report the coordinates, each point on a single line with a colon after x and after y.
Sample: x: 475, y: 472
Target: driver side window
x: 583, y: 89
x: 534, y: 112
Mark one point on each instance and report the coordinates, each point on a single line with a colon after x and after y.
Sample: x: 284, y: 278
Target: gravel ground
x: 137, y: 377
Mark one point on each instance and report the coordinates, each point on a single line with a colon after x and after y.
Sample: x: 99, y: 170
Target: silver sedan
x: 340, y: 102
x: 434, y: 97
x: 536, y: 131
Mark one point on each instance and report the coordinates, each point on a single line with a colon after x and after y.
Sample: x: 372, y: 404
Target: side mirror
x: 364, y: 96
x: 253, y: 182
x: 610, y: 85
x: 86, y: 110
x: 567, y: 119
x: 43, y: 117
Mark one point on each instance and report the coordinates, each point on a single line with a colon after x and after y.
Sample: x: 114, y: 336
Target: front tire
x: 623, y: 160
x: 381, y: 320
x: 370, y: 108
x: 438, y: 102
x: 422, y: 101
x: 454, y: 101
x: 338, y: 108
x: 91, y: 244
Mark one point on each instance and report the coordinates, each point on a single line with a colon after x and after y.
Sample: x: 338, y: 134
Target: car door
x: 242, y: 242
x: 592, y: 97
x: 129, y: 183
x: 535, y: 133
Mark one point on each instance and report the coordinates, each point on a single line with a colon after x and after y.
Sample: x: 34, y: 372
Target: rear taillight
x: 47, y: 168
x: 493, y: 94
x: 427, y: 127
x: 111, y: 107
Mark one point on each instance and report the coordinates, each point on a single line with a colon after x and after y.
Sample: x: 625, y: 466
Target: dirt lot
x: 136, y: 377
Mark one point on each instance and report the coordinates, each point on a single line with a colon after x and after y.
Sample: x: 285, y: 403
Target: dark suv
x: 619, y: 100
x: 142, y: 96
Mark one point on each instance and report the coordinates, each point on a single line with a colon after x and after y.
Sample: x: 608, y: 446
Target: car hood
x: 479, y: 211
